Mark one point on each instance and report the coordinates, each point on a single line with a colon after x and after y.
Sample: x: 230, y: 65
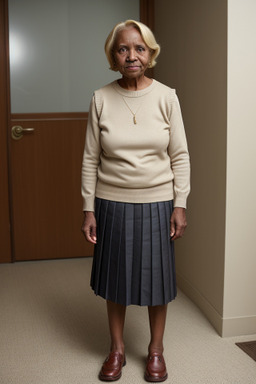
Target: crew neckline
x: 128, y: 93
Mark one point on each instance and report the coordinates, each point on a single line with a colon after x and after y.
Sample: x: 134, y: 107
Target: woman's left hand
x: 178, y: 223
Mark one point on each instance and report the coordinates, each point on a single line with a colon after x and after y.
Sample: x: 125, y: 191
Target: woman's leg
x: 156, y: 368
x: 112, y: 367
x: 116, y: 319
x: 157, y: 318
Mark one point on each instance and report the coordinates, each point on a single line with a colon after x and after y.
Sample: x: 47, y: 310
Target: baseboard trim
x: 239, y: 326
x: 226, y: 327
x: 203, y: 304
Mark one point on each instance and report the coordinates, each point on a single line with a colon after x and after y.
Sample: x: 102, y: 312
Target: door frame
x: 6, y: 217
x: 5, y: 188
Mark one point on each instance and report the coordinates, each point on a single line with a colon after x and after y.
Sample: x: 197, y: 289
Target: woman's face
x: 131, y: 54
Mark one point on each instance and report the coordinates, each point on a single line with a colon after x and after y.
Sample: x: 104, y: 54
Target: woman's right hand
x: 89, y: 227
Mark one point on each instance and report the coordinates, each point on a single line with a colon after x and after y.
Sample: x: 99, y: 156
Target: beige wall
x: 240, y: 253
x: 193, y: 37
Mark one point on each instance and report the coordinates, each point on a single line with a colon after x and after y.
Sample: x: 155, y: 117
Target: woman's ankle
x: 117, y: 348
x: 155, y: 349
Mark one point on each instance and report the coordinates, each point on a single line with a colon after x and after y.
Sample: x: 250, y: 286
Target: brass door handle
x: 17, y: 131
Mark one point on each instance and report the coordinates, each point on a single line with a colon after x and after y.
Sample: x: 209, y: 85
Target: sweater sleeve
x: 179, y: 156
x: 91, y: 158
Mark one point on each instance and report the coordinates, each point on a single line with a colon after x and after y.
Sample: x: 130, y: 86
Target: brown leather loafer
x: 112, y: 367
x: 156, y: 368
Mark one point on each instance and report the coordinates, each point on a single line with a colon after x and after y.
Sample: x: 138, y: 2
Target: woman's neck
x: 135, y: 84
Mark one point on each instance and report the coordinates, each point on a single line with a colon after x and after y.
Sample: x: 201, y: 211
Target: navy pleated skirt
x: 134, y: 257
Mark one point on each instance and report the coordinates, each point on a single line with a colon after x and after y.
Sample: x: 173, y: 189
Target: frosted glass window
x: 57, y: 54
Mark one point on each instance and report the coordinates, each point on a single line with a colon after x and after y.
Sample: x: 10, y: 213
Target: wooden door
x: 45, y: 179
x: 40, y: 197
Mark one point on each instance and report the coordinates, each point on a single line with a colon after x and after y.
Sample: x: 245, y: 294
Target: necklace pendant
x: 134, y: 120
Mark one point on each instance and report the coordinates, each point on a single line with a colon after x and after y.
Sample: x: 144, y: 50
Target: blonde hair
x: 146, y: 34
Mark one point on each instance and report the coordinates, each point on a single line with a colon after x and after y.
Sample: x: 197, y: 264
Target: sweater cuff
x: 180, y: 201
x: 88, y: 204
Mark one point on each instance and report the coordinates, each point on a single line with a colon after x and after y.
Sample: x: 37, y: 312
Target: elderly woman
x: 135, y: 182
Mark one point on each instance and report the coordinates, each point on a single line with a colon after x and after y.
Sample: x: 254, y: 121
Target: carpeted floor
x: 53, y: 330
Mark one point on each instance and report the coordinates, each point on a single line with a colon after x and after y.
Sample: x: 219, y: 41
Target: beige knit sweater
x: 137, y: 163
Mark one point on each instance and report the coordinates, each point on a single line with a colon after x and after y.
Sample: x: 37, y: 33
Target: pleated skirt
x: 134, y: 262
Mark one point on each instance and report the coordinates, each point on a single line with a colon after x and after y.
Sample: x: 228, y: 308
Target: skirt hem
x: 133, y: 303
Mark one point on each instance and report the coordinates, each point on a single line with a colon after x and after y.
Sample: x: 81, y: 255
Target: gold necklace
x: 133, y: 113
